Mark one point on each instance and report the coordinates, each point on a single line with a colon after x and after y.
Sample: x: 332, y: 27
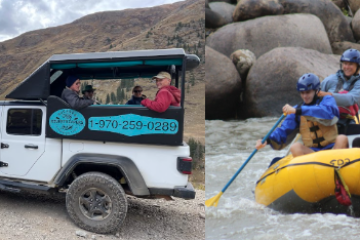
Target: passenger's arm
x: 350, y: 98
x: 160, y: 104
x: 78, y: 103
x: 329, y: 83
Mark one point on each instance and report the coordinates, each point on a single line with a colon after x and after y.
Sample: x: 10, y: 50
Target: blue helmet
x: 308, y: 81
x: 351, y: 55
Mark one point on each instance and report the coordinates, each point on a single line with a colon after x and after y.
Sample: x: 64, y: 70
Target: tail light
x: 184, y: 165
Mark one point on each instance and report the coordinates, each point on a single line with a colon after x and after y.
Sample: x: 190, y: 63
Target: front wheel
x: 96, y: 202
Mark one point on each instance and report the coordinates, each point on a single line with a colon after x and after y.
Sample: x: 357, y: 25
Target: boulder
x: 354, y: 5
x: 243, y: 59
x: 226, y: 1
x: 223, y: 85
x: 355, y: 23
x: 340, y: 47
x: 213, y: 19
x: 224, y: 9
x: 271, y: 82
x: 349, y: 21
x: 263, y: 34
x: 250, y: 9
x: 339, y: 3
x: 331, y: 16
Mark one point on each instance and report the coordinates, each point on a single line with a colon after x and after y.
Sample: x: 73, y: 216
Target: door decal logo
x: 67, y: 122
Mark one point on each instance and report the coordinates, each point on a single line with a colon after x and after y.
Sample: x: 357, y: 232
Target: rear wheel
x: 96, y: 202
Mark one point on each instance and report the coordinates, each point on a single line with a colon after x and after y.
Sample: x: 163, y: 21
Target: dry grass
x: 197, y: 178
x: 195, y: 113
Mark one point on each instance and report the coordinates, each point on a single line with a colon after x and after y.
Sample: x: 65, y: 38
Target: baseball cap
x: 162, y: 75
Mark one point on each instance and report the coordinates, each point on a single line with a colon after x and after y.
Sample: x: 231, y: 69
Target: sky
x: 20, y: 16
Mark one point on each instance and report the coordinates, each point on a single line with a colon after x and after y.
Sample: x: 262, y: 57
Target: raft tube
x: 306, y: 184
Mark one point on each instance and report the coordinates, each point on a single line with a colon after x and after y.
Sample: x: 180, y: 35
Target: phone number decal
x: 133, y: 125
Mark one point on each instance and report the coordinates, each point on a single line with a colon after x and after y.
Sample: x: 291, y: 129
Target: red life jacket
x: 350, y: 111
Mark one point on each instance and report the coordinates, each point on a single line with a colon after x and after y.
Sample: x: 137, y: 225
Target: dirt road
x: 42, y: 217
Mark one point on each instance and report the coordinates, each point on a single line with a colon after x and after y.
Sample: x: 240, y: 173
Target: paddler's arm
x: 283, y: 135
x: 260, y: 145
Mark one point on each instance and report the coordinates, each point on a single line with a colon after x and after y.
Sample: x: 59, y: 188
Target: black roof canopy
x: 37, y: 85
x: 121, y: 55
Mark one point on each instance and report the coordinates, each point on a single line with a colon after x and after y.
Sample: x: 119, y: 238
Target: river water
x: 238, y: 216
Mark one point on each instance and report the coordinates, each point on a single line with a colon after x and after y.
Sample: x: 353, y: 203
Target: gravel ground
x: 42, y: 217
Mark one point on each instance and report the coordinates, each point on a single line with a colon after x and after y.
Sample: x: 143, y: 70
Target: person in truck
x: 88, y: 92
x: 166, y: 96
x: 137, y: 96
x: 71, y: 94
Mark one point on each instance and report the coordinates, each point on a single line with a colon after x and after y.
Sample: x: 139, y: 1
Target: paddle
x: 215, y: 200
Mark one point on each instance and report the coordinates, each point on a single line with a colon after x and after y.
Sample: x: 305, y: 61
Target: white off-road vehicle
x: 98, y: 154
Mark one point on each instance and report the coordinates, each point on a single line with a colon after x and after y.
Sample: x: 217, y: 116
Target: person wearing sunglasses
x: 137, y: 96
x: 71, y: 94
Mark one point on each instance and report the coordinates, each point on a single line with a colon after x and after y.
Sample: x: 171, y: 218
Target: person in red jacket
x: 166, y: 96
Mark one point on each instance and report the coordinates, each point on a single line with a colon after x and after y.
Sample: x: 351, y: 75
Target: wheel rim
x: 95, y: 204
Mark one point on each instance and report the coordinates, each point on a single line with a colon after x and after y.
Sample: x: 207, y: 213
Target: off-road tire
x: 104, y: 185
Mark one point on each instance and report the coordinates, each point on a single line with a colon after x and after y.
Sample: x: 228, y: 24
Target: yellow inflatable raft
x: 307, y: 183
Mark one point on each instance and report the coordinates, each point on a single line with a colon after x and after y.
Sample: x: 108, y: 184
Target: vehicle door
x: 22, y: 138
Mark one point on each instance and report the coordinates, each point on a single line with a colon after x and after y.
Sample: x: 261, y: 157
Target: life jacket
x: 315, y: 134
x: 349, y: 112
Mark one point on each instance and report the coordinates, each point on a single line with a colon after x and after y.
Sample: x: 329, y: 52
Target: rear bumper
x: 187, y: 192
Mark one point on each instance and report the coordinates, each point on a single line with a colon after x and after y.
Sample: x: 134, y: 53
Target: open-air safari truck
x: 96, y: 154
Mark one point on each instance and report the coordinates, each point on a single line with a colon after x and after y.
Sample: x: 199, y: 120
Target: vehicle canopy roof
x: 104, y: 65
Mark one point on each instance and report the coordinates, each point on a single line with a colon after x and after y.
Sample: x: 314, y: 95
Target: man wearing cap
x: 71, y: 94
x: 88, y: 92
x: 166, y: 96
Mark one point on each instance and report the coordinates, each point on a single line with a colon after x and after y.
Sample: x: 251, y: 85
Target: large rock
x: 339, y: 3
x: 271, y: 82
x: 340, y: 47
x: 213, y: 19
x: 224, y: 9
x: 355, y: 23
x: 226, y: 1
x: 354, y: 5
x: 223, y: 85
x: 331, y: 16
x: 250, y: 9
x: 243, y: 59
x: 263, y: 34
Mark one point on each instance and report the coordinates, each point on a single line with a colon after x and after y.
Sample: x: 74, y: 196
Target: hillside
x: 173, y: 25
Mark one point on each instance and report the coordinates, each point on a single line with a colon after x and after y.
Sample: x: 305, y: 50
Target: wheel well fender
x: 124, y: 165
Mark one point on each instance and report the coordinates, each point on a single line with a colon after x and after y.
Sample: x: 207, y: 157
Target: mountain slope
x: 172, y: 25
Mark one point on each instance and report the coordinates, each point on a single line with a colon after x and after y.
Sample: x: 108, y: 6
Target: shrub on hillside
x: 197, y: 151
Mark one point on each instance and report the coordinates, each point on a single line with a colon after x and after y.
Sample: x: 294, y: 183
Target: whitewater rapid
x: 238, y: 216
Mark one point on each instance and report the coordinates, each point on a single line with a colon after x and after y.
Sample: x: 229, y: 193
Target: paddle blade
x: 213, y: 201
